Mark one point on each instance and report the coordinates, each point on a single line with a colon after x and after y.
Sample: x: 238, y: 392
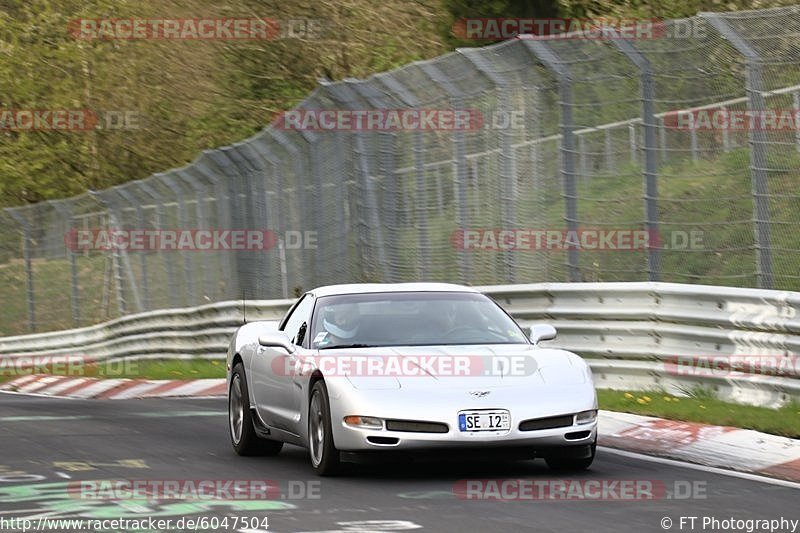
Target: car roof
x: 366, y: 288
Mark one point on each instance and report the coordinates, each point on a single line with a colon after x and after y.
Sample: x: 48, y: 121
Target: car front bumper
x: 443, y: 407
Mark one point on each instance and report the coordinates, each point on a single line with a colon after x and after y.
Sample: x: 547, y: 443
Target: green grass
x: 180, y: 369
x: 148, y: 369
x: 703, y: 407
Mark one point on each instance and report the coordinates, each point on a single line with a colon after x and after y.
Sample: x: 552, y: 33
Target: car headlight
x: 585, y: 417
x: 367, y: 422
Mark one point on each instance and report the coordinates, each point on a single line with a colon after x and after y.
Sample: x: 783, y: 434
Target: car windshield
x: 411, y: 319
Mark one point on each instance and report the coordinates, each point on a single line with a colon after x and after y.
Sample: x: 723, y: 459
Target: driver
x: 341, y: 322
x: 445, y: 315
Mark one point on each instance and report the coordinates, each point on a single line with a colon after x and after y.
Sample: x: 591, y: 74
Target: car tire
x: 240, y: 420
x: 325, y: 458
x: 566, y: 464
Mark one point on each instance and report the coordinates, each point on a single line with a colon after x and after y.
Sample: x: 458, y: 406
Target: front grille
x: 416, y: 426
x: 546, y: 423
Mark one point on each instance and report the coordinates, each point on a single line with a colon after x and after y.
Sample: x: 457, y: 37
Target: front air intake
x: 415, y: 426
x: 546, y: 423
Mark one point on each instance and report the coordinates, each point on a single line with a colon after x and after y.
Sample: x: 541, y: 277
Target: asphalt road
x: 50, y: 445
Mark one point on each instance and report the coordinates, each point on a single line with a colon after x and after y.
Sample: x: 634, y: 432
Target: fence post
x: 184, y: 223
x: 116, y: 264
x: 200, y: 192
x: 241, y: 171
x: 137, y: 206
x: 758, y: 148
x: 726, y: 139
x: 549, y: 59
x: 386, y: 167
x: 508, y: 167
x: 373, y: 232
x: 171, y: 290
x: 64, y: 209
x: 261, y: 214
x: 120, y: 255
x: 26, y: 254
x: 418, y: 148
x: 275, y: 210
x: 611, y: 160
x: 301, y: 278
x: 650, y: 154
x: 796, y: 108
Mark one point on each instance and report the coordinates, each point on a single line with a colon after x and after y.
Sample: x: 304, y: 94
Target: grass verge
x: 702, y: 407
x: 146, y: 369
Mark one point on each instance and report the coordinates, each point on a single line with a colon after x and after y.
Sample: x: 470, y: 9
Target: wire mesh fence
x: 672, y: 158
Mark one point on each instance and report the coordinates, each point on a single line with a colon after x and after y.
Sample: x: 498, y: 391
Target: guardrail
x: 631, y: 333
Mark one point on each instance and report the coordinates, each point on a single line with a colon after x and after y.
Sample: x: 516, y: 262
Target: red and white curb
x: 114, y: 389
x: 732, y: 448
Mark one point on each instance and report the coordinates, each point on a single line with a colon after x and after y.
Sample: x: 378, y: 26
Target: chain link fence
x: 577, y: 134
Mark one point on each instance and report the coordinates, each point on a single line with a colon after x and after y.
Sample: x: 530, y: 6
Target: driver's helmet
x: 341, y: 320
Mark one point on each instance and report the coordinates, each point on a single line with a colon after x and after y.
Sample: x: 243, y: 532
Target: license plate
x: 471, y: 421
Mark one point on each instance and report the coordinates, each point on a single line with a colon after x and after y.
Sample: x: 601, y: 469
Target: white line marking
x: 62, y: 474
x: 703, y: 468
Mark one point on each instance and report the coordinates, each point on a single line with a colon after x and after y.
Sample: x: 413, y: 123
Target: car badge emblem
x: 479, y: 393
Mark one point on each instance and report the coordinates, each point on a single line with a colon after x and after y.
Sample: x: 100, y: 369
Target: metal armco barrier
x: 630, y: 333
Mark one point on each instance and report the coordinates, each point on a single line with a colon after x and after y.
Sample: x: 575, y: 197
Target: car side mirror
x: 542, y: 332
x: 276, y: 339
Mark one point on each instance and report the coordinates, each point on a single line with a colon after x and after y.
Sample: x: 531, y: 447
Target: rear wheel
x: 240, y: 421
x: 325, y: 458
x: 568, y: 464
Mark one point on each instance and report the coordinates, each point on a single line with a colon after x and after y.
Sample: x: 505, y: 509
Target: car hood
x: 460, y: 367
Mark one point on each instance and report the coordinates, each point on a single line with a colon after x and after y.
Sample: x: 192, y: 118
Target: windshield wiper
x: 354, y: 345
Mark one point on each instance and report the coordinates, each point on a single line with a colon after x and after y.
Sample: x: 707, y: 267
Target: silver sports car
x: 411, y: 367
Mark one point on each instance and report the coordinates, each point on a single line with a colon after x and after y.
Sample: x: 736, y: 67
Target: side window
x: 296, y: 325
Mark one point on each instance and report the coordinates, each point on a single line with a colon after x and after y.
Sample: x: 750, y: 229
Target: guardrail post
x: 64, y: 209
x: 758, y: 148
x: 26, y: 254
x: 560, y: 68
x: 650, y: 174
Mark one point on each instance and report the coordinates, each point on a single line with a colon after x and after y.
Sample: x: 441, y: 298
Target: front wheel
x: 566, y: 464
x: 325, y: 458
x: 240, y: 420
